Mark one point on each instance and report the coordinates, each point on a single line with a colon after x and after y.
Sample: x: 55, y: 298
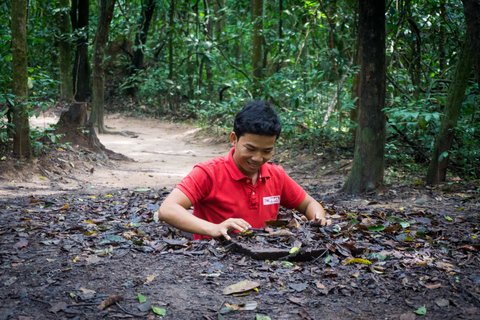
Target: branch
x: 332, y: 104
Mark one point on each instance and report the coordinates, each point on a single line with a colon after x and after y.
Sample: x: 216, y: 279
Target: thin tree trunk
x: 220, y: 18
x: 208, y: 66
x: 170, y: 40
x: 21, y: 140
x: 257, y: 19
x: 101, y: 37
x: 472, y: 16
x: 355, y: 92
x: 148, y: 9
x: 437, y: 170
x: 81, y: 68
x: 441, y: 47
x: 280, y: 35
x: 368, y: 161
x: 65, y: 52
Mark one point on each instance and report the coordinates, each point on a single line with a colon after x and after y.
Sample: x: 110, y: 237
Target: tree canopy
x: 205, y: 59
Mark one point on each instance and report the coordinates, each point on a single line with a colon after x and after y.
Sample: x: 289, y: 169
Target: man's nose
x: 257, y: 157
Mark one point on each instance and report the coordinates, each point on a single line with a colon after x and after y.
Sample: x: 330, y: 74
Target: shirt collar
x: 237, y: 174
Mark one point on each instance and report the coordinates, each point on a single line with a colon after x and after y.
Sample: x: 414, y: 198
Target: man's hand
x: 318, y: 219
x: 223, y: 228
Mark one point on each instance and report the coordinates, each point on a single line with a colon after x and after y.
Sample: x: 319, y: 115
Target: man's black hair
x: 257, y: 117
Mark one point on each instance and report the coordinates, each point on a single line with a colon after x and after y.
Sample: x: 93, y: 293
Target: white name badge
x: 271, y: 200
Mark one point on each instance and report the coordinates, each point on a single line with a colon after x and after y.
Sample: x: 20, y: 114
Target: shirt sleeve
x: 292, y: 193
x: 196, y: 185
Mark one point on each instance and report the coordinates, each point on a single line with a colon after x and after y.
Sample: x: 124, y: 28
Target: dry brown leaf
x: 293, y: 224
x: 21, y: 244
x: 109, y: 301
x: 58, y: 306
x: 433, y: 286
x: 242, y: 286
x: 282, y: 233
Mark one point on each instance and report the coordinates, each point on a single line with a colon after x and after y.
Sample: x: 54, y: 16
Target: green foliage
x: 303, y: 69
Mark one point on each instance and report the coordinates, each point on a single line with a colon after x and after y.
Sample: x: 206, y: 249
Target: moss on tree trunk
x: 437, y: 170
x: 368, y: 161
x: 98, y: 108
x: 65, y: 51
x: 21, y: 140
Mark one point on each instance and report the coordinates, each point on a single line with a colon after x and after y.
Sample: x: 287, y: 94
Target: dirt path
x: 163, y: 153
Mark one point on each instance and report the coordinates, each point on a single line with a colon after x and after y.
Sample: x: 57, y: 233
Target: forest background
x: 391, y: 83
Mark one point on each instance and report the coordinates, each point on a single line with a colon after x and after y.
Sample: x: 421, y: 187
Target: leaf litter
x: 401, y: 260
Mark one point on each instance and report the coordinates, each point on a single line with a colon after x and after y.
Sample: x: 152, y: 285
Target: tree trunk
x: 81, y: 68
x: 443, y: 39
x: 205, y: 60
x: 21, y: 140
x: 280, y: 35
x: 437, y: 170
x: 355, y: 92
x: 472, y: 17
x: 368, y: 161
x: 170, y: 40
x: 101, y: 37
x: 148, y: 9
x: 65, y: 51
x: 220, y: 18
x: 257, y: 55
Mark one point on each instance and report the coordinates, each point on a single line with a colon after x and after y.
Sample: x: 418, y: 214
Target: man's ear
x: 233, y: 139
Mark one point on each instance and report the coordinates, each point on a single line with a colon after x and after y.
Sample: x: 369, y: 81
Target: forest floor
x: 78, y: 228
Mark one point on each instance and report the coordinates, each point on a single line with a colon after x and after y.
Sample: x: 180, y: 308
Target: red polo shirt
x: 218, y: 191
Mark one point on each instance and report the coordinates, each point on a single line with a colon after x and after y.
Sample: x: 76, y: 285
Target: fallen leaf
x: 433, y: 286
x: 442, y: 302
x: 281, y: 233
x: 58, y: 306
x: 65, y: 207
x: 109, y: 301
x: 150, y: 278
x: 240, y: 287
x: 445, y: 266
x: 141, y: 298
x: 357, y: 260
x: 421, y: 311
x: 408, y: 316
x: 21, y: 244
x: 262, y: 317
x: 87, y: 294
x: 159, y: 311
x: 10, y: 281
x: 299, y: 287
x: 297, y: 301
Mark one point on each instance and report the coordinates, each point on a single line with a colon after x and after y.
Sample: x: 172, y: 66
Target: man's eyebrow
x: 254, y: 147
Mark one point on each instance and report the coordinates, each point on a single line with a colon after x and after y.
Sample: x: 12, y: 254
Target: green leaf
x: 327, y: 259
x: 374, y: 255
x: 159, y: 311
x: 421, y: 310
x: 293, y: 250
x: 377, y: 227
x: 141, y: 298
x: 262, y: 317
x: 448, y: 218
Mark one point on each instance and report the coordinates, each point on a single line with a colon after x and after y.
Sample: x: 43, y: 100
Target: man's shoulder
x: 274, y: 169
x: 212, y: 163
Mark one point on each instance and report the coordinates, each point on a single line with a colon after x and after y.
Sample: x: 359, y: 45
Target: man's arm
x: 313, y: 211
x: 174, y: 211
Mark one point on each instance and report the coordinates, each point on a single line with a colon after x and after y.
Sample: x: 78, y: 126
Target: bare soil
x: 79, y: 230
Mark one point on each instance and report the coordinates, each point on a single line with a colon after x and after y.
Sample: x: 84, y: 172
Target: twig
x: 130, y: 313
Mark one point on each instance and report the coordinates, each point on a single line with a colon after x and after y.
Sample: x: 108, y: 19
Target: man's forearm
x: 178, y: 217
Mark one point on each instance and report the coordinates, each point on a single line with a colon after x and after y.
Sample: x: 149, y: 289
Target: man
x: 239, y: 191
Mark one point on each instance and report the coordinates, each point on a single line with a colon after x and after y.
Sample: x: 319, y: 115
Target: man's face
x: 252, y: 151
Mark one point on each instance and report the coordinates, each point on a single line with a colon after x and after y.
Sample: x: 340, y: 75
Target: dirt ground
x: 162, y: 153
x: 75, y: 233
